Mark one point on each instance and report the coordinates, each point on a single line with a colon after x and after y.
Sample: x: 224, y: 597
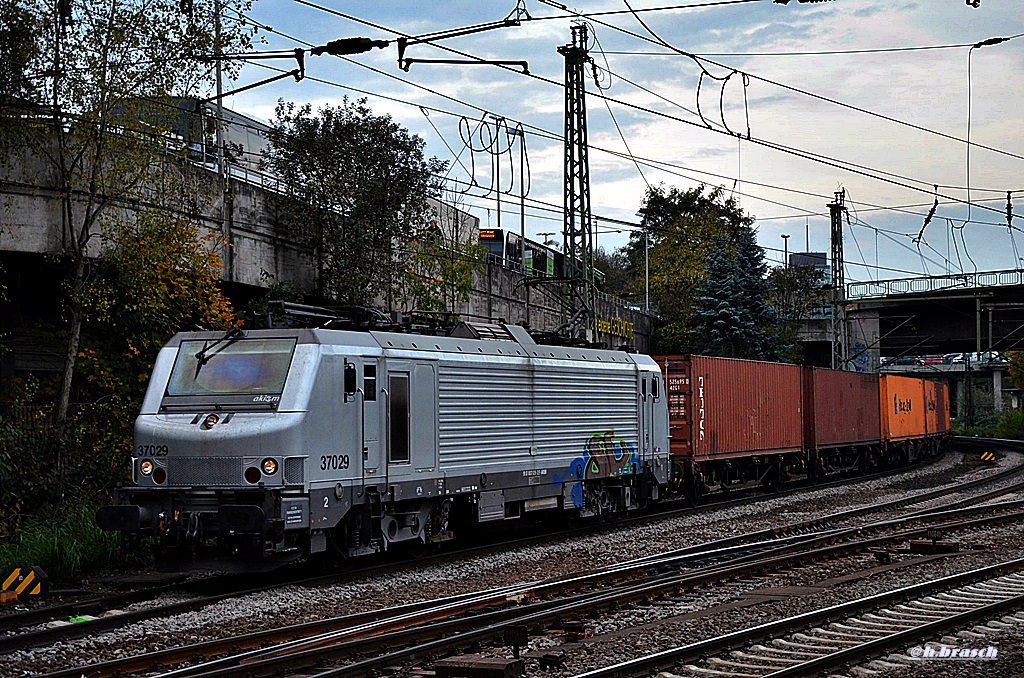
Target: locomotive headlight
x: 269, y: 466
x: 146, y: 467
x: 210, y: 421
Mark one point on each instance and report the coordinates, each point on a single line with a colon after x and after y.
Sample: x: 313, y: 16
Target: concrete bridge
x: 262, y: 247
x: 980, y: 375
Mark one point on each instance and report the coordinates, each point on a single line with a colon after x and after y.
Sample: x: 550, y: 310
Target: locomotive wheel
x: 418, y: 549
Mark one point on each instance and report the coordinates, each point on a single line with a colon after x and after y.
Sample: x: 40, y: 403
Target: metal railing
x: 934, y: 283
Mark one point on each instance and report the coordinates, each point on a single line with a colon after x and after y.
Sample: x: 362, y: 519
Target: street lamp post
x: 785, y: 250
x: 647, y: 276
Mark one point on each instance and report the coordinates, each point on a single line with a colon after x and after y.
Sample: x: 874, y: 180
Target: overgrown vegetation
x: 1008, y: 424
x: 64, y: 540
x: 90, y: 97
x: 159, y: 275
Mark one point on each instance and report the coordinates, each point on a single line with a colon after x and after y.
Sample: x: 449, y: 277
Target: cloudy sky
x: 867, y: 95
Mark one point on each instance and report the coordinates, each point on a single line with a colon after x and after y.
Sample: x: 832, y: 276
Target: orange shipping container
x: 721, y: 407
x: 937, y: 406
x: 903, y: 407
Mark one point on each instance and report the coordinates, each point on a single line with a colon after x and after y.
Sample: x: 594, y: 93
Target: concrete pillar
x: 997, y: 390
x: 961, y: 398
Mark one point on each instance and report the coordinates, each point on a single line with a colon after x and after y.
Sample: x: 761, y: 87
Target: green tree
x: 102, y: 145
x: 358, y: 186
x: 439, y: 261
x: 20, y: 71
x: 693, y: 238
x: 731, y: 317
x: 618, y: 279
x: 795, y: 291
x: 160, y: 274
x: 794, y: 294
x: 1015, y: 366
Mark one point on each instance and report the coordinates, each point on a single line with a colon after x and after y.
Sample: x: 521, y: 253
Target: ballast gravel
x: 617, y: 636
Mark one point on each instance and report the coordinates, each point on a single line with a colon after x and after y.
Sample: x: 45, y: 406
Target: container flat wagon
x: 733, y: 423
x: 844, y: 421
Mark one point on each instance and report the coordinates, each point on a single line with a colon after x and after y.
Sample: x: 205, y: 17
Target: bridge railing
x: 934, y: 283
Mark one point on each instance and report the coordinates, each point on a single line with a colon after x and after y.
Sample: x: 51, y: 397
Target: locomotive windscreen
x: 242, y: 367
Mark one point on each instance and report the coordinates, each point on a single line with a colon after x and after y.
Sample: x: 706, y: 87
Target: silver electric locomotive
x: 262, y: 446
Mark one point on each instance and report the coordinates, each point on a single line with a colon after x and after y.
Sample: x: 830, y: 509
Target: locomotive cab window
x: 398, y: 406
x: 240, y: 367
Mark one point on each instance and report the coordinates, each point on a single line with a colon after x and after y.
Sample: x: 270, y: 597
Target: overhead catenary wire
x: 851, y: 167
x: 608, y: 107
x: 662, y: 165
x: 779, y: 147
x: 797, y: 90
x: 825, y: 52
x: 652, y: 163
x: 950, y: 201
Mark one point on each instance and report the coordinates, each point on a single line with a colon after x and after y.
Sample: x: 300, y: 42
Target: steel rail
x: 899, y: 639
x: 491, y: 627
x: 352, y: 623
x: 20, y: 641
x: 666, y: 659
x: 753, y: 553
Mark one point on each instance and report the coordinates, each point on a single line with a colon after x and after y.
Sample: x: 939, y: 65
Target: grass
x: 1007, y: 424
x: 64, y: 541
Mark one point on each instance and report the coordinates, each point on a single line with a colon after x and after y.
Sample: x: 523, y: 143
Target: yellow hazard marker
x: 988, y: 456
x: 26, y: 581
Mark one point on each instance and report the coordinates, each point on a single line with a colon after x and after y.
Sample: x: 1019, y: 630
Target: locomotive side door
x: 644, y: 430
x: 371, y: 421
x: 411, y: 419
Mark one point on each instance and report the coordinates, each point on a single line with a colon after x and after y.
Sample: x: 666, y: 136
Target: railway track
x: 364, y: 643
x: 811, y: 643
x: 103, y: 613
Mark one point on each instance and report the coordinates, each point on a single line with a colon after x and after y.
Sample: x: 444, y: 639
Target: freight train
x: 258, y: 447
x: 736, y: 423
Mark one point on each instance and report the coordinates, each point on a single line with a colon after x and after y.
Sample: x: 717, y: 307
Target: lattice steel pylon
x: 578, y: 306
x: 840, y: 354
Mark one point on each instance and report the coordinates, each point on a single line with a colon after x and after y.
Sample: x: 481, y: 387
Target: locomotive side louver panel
x: 484, y: 412
x: 503, y: 413
x: 571, y: 407
x: 204, y: 471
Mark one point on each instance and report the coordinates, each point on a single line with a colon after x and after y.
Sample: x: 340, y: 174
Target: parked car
x: 984, y: 357
x: 906, y: 360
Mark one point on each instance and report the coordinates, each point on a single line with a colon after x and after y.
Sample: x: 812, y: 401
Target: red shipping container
x: 721, y: 407
x: 844, y: 409
x: 903, y: 407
